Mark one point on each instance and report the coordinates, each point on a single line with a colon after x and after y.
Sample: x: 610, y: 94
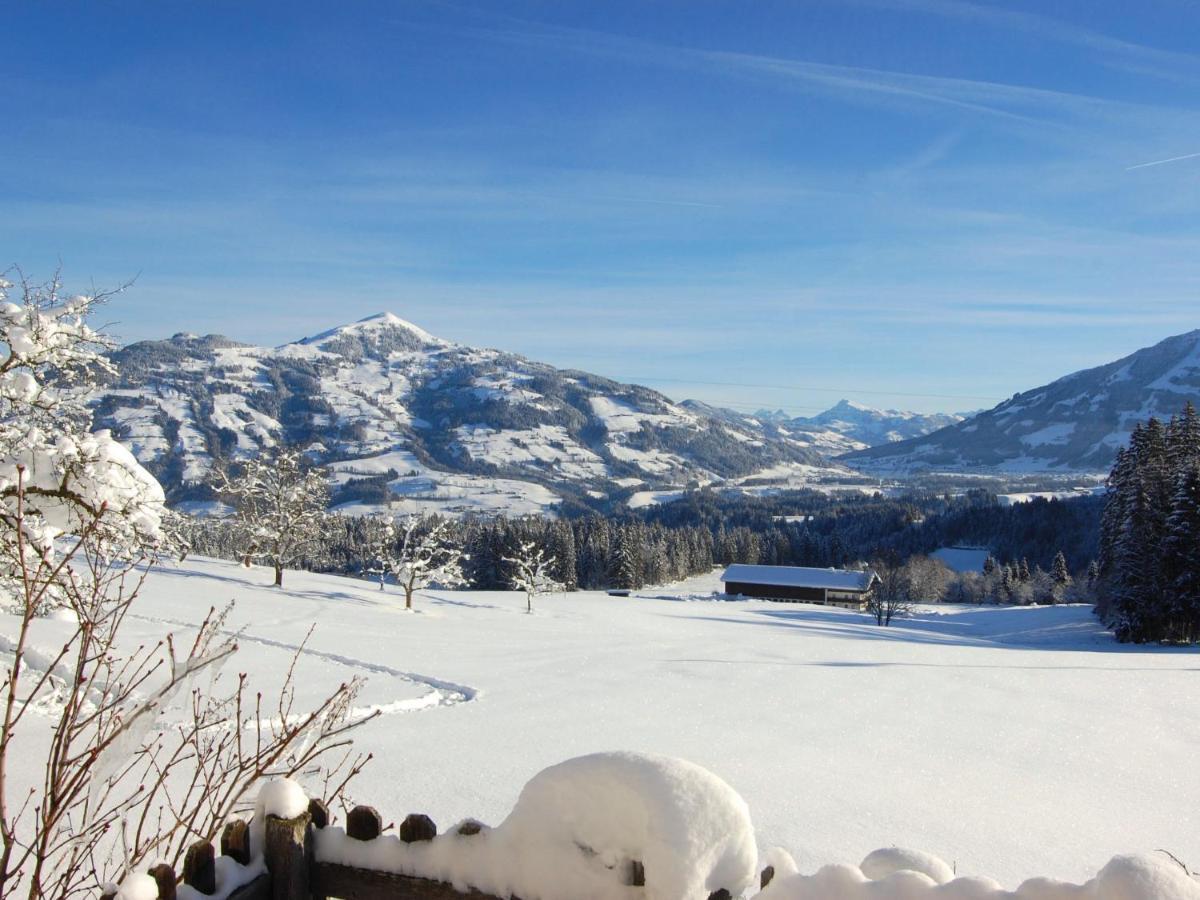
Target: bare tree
x: 145, y: 756
x: 280, y: 506
x: 422, y: 553
x: 80, y: 521
x: 891, y: 595
x: 928, y: 578
x: 532, y: 567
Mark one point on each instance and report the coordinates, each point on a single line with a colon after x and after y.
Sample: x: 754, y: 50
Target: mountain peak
x: 845, y: 405
x: 413, y: 336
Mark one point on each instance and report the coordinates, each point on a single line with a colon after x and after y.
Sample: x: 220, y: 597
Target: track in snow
x: 440, y: 692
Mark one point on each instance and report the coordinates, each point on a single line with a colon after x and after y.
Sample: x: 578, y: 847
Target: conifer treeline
x: 590, y: 553
x: 1150, y: 534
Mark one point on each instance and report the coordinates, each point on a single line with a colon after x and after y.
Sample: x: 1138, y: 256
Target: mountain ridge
x: 1074, y: 423
x: 404, y: 419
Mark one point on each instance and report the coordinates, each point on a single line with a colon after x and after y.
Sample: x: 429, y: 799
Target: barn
x: 795, y: 584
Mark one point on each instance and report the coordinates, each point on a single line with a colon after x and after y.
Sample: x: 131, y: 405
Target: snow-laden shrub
x: 56, y: 477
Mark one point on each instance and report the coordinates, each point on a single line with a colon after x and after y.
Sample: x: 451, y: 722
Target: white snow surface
x: 1016, y: 742
x: 962, y: 559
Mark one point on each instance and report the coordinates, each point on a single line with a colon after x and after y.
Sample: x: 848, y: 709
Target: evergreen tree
x: 562, y: 551
x: 627, y: 570
x: 1060, y: 576
x: 1182, y: 567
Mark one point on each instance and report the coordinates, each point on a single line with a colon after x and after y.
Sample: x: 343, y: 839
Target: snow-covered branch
x: 532, y: 568
x: 421, y: 553
x: 280, y: 506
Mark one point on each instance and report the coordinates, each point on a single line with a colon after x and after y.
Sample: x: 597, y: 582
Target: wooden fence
x: 294, y: 873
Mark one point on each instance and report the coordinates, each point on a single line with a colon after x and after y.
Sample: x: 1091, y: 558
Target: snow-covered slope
x: 403, y: 417
x: 1075, y: 423
x: 1014, y: 741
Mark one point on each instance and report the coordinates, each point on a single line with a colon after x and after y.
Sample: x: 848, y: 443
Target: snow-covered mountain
x: 870, y: 427
x: 1075, y: 423
x: 399, y: 415
x: 844, y: 427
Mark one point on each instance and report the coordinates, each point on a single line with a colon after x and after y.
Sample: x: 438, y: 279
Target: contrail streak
x: 1159, y: 162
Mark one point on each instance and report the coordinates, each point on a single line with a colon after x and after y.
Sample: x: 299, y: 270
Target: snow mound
x: 890, y: 875
x: 576, y: 830
x: 281, y: 797
x: 882, y: 863
x: 138, y: 887
x: 689, y: 829
x: 1138, y: 877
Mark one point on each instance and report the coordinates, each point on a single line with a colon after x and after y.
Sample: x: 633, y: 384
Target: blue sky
x: 927, y: 204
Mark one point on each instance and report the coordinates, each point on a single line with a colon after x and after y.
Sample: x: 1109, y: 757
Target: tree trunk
x: 408, y: 592
x: 278, y: 575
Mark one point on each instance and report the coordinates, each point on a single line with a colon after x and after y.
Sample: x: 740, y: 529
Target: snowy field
x: 1012, y: 742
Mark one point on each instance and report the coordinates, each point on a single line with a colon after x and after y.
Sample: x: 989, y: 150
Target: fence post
x: 164, y: 877
x: 768, y: 875
x: 288, y: 853
x: 199, y: 868
x: 235, y: 841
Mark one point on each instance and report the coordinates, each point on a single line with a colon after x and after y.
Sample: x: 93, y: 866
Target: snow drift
x: 1124, y: 878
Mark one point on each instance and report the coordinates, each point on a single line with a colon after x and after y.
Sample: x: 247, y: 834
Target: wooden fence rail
x: 294, y: 873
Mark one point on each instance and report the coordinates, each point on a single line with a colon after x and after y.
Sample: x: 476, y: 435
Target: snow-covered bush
x: 58, y: 480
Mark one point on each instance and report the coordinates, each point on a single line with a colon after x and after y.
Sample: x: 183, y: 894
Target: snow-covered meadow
x: 1010, y: 742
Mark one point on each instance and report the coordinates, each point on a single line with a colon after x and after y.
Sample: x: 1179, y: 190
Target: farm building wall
x: 776, y: 592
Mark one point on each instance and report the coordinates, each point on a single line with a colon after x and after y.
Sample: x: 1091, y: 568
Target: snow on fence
x: 612, y: 826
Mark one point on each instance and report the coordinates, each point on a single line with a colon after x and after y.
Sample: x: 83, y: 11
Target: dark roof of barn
x: 799, y: 576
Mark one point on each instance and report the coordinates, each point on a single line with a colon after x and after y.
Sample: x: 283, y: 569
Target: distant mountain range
x: 403, y: 418
x: 400, y: 416
x: 851, y: 426
x: 1076, y: 423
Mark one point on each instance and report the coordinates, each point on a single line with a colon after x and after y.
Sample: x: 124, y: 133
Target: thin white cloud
x: 1137, y: 57
x: 1017, y: 103
x: 1162, y: 162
